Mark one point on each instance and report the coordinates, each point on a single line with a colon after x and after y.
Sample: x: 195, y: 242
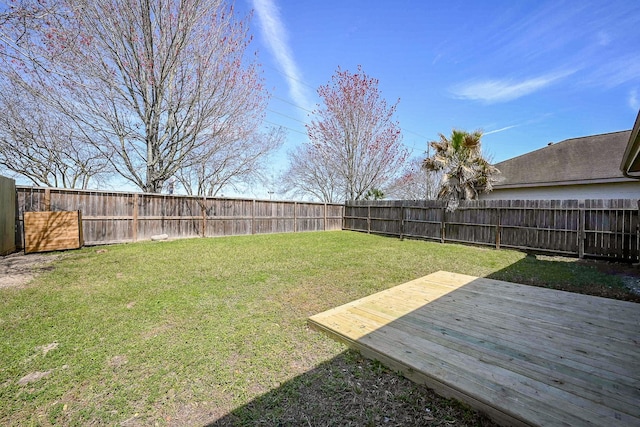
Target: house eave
x: 565, y: 183
x: 630, y: 165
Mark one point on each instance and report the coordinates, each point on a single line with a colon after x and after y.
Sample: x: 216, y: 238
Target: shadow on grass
x: 589, y: 277
x: 351, y: 390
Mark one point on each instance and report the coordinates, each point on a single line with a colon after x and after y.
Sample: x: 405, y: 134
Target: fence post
x: 253, y: 217
x: 498, y: 228
x: 47, y: 199
x: 295, y: 217
x: 638, y: 234
x: 581, y: 231
x: 324, y: 228
x: 203, y: 209
x: 134, y: 226
x: 401, y: 221
x: 368, y: 219
x: 443, y: 224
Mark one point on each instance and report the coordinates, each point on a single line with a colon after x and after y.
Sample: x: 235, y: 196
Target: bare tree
x: 38, y: 143
x: 238, y: 158
x: 415, y: 183
x: 149, y: 82
x: 310, y: 173
x: 354, y: 142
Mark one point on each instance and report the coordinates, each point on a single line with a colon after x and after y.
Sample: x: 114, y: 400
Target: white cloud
x: 275, y: 34
x: 493, y: 91
x: 616, y: 72
x: 634, y: 102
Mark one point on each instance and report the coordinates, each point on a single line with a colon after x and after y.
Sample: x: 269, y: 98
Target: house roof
x: 586, y: 160
x: 631, y: 161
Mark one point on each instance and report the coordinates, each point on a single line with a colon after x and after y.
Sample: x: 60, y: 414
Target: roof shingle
x: 588, y: 159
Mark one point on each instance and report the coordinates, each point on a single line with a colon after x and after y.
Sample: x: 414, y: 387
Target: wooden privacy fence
x: 117, y: 217
x: 589, y: 228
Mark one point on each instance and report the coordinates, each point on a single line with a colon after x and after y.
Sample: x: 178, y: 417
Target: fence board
x: 118, y: 217
x: 591, y: 228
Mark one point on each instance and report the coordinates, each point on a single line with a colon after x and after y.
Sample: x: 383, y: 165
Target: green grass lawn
x: 186, y: 331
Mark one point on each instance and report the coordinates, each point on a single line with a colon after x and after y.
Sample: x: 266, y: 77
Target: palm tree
x: 374, y: 194
x: 466, y: 173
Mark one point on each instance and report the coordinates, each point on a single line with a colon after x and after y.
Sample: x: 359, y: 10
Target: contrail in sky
x: 500, y: 130
x: 275, y: 34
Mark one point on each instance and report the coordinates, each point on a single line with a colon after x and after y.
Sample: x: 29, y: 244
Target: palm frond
x: 471, y: 142
x: 440, y: 147
x: 457, y: 139
x: 430, y: 164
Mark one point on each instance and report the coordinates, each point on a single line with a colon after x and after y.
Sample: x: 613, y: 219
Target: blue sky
x: 525, y: 72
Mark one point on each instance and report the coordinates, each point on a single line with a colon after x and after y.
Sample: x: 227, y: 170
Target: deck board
x: 523, y: 355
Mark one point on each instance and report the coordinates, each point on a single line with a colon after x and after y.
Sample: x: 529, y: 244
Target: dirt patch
x: 33, y: 377
x: 157, y: 330
x: 47, y: 348
x: 116, y: 362
x: 18, y: 269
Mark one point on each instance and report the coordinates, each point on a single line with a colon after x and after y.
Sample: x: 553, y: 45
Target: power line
x: 416, y: 134
x: 284, y: 115
x: 309, y: 111
x: 412, y: 148
x: 291, y: 103
x: 285, y: 127
x: 291, y: 77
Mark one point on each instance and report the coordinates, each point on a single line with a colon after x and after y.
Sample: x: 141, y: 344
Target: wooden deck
x: 521, y: 354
